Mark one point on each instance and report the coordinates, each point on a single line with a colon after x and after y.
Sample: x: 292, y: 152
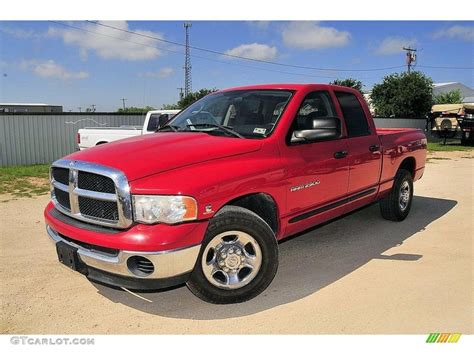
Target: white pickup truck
x: 92, y: 136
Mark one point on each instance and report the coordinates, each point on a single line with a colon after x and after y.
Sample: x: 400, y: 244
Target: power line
x: 193, y: 55
x: 237, y: 56
x: 238, y: 64
x: 441, y: 67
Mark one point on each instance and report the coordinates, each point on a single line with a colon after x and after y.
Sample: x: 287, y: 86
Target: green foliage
x: 349, y: 82
x: 135, y: 109
x: 450, y: 147
x: 403, y: 95
x: 188, y: 100
x: 170, y: 107
x: 450, y: 97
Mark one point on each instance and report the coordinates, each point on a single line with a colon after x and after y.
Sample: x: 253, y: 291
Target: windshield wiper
x: 173, y: 128
x: 221, y: 127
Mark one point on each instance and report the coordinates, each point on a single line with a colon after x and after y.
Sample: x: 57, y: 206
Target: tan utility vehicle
x: 444, y: 120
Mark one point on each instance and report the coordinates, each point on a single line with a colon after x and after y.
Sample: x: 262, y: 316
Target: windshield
x: 243, y: 113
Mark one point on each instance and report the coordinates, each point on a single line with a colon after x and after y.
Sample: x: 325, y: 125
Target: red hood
x: 150, y: 154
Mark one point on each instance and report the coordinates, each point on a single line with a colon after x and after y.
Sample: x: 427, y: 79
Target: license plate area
x: 68, y: 256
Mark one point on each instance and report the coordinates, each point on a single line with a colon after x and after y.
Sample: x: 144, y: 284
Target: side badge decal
x: 305, y: 186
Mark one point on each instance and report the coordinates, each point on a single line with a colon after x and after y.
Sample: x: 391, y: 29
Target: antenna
x: 411, y: 57
x: 187, y: 63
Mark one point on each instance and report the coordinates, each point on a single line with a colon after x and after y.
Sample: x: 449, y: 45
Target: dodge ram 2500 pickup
x: 91, y: 136
x: 205, y: 200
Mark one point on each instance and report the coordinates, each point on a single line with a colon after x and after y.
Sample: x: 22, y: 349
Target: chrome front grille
x: 91, y: 192
x: 94, y: 182
x: 98, y: 209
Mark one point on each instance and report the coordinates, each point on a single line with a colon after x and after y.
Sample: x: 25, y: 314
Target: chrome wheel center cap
x: 232, y: 261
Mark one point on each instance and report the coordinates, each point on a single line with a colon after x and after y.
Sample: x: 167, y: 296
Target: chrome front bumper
x: 167, y: 264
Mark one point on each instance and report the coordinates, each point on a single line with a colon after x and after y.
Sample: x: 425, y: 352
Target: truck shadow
x: 308, y: 263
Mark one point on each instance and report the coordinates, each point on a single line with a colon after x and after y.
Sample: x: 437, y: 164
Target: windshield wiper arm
x: 173, y: 128
x: 221, y: 127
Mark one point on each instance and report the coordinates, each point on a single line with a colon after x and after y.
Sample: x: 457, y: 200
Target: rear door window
x: 155, y: 121
x: 354, y: 115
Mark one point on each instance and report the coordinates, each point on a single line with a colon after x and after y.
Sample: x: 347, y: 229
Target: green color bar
x: 432, y: 337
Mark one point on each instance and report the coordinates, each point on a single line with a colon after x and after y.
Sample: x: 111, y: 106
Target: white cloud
x: 160, y: 74
x: 109, y: 43
x: 394, y: 45
x: 51, y: 70
x: 254, y: 51
x: 465, y: 33
x: 261, y: 25
x: 312, y: 35
x: 21, y: 33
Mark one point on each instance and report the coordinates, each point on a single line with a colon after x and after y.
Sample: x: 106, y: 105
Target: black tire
x: 233, y: 218
x: 390, y: 206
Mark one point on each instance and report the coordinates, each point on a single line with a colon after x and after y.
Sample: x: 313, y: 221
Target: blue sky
x: 50, y: 63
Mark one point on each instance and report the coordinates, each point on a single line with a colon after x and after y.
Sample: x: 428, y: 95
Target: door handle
x: 341, y: 154
x: 374, y: 148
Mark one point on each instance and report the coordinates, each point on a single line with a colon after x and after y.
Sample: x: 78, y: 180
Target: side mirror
x: 319, y: 129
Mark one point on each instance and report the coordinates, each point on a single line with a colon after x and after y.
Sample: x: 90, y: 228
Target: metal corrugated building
x: 466, y: 92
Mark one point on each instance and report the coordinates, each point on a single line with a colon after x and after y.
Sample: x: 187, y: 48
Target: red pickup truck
x: 205, y: 200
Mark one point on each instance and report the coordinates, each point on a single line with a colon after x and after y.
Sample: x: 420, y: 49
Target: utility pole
x: 187, y: 63
x: 123, y: 102
x: 180, y: 92
x: 80, y: 109
x: 93, y: 107
x: 410, y: 58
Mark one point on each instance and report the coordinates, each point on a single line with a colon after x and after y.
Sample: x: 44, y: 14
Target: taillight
x: 78, y: 138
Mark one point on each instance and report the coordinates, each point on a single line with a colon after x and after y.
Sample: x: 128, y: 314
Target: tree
x: 406, y: 95
x: 132, y: 109
x: 170, y: 107
x: 349, y: 82
x: 188, y: 100
x: 450, y: 97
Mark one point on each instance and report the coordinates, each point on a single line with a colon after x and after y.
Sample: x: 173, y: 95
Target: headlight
x: 164, y: 209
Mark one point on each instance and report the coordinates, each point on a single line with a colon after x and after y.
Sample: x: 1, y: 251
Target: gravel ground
x: 357, y: 275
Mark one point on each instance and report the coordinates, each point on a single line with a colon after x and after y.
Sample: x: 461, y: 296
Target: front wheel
x: 396, y: 206
x: 238, y: 258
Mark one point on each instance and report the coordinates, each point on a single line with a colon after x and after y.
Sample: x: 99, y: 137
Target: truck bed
x: 387, y: 131
x: 115, y: 128
x: 396, y: 144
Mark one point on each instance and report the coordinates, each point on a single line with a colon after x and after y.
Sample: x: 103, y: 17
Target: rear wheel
x: 238, y: 258
x: 396, y: 206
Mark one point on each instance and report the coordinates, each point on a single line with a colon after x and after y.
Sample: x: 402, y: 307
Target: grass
x: 24, y: 181
x: 449, y: 147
